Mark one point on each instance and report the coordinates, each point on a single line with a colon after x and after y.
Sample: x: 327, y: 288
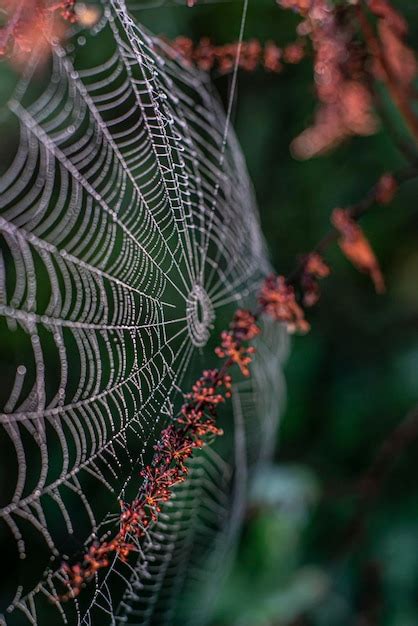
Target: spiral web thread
x: 127, y: 229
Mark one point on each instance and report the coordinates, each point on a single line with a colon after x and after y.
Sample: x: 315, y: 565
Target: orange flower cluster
x: 132, y: 518
x: 345, y: 101
x: 207, y: 56
x: 98, y: 557
x: 314, y: 268
x: 242, y: 329
x: 277, y: 299
x: 30, y: 24
x: 356, y: 247
x: 193, y: 428
x: 345, y: 66
x: 206, y: 392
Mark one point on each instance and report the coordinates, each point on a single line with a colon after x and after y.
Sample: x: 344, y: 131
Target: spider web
x: 128, y: 235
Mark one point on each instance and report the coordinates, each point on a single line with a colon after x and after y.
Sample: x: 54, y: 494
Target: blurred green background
x: 350, y: 381
x: 301, y: 561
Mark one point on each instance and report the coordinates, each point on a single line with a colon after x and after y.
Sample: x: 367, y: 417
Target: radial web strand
x: 128, y: 237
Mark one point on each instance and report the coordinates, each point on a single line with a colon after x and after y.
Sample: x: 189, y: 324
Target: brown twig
x: 355, y: 211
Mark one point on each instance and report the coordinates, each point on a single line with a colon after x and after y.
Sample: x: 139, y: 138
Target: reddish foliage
x: 242, y: 329
x: 208, y: 56
x: 211, y: 389
x: 345, y: 108
x: 31, y: 25
x: 190, y: 430
x: 356, y: 247
x: 174, y: 446
x: 199, y: 424
x: 314, y: 268
x: 97, y: 557
x: 391, y: 54
x: 272, y: 57
x: 400, y: 58
x: 345, y: 102
x: 386, y: 188
x: 159, y: 480
x: 344, y: 66
x: 277, y: 299
x: 244, y: 326
x: 230, y: 348
x: 133, y: 519
x: 384, y: 10
x: 294, y: 52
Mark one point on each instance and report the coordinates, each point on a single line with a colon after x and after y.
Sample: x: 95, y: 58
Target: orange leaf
x: 357, y: 248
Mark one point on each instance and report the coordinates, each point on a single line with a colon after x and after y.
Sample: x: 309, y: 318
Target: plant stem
x: 356, y: 211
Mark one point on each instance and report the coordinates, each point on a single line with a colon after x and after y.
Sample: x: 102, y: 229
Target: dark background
x: 351, y: 381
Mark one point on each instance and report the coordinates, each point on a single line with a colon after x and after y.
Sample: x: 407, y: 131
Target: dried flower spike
x: 244, y: 326
x: 314, y: 269
x: 231, y: 349
x: 277, y: 299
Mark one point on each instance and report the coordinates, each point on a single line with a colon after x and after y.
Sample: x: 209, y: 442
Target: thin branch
x: 355, y: 211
